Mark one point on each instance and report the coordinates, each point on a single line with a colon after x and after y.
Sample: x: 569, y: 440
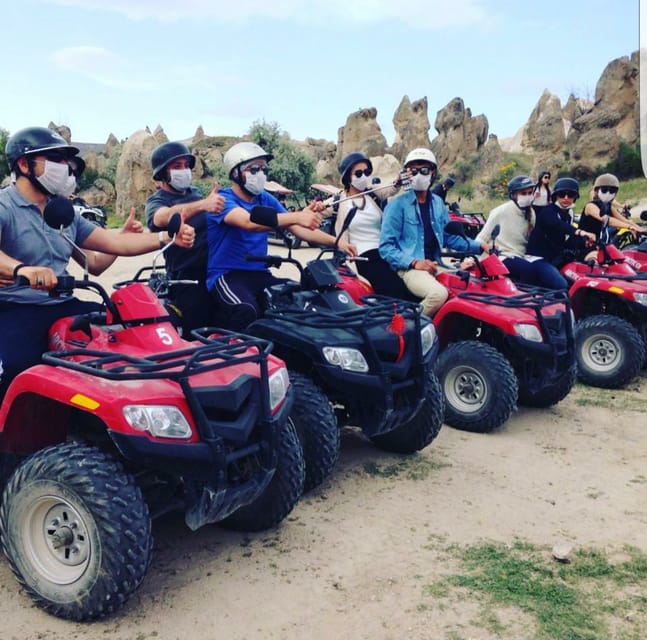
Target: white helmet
x: 243, y: 152
x: 422, y: 155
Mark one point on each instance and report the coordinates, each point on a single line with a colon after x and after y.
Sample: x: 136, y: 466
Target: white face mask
x: 361, y: 183
x: 420, y: 182
x: 564, y: 207
x: 55, y: 177
x: 605, y: 197
x: 255, y: 183
x: 69, y: 188
x: 523, y: 202
x: 180, y: 179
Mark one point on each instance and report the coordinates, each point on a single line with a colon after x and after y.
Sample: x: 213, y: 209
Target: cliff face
x: 577, y: 137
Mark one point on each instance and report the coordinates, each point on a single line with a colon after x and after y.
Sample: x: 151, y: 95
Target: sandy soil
x: 354, y: 557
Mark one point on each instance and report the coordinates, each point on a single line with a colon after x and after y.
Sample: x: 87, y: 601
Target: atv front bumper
x: 218, y: 477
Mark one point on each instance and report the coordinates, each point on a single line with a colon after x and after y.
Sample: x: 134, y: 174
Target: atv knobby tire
x: 479, y: 385
x: 281, y: 494
x: 76, y: 531
x: 610, y: 351
x: 551, y: 394
x: 421, y: 430
x: 316, y: 425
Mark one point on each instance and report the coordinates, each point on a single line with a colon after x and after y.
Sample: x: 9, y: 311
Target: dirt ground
x: 354, y: 557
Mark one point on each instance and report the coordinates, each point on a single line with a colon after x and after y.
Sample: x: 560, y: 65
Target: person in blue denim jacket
x: 413, y: 233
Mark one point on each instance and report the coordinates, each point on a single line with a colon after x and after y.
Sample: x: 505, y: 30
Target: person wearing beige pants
x: 413, y: 233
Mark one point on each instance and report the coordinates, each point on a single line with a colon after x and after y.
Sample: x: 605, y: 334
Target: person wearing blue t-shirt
x: 235, y: 283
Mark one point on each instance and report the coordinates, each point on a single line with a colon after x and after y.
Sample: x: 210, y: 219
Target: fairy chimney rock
x: 133, y: 179
x: 459, y: 134
x: 361, y: 133
x: 411, y: 124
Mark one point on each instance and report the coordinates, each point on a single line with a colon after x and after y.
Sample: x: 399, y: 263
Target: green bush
x: 627, y: 164
x: 4, y: 169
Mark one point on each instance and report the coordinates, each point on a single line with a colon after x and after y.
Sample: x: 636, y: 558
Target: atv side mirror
x: 495, y: 232
x: 172, y: 228
x: 59, y: 213
x: 174, y: 224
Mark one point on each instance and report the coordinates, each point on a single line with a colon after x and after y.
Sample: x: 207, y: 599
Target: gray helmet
x: 606, y: 180
x: 243, y: 152
x: 565, y: 184
x: 519, y: 183
x: 348, y: 162
x: 34, y: 141
x: 166, y: 153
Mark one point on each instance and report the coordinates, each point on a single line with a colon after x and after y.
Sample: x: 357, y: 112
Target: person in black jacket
x: 554, y: 233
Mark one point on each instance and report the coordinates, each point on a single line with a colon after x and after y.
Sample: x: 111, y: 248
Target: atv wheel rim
x: 465, y: 389
x: 56, y: 539
x: 601, y: 353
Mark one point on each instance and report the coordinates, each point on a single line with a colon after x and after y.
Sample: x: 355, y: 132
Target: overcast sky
x: 116, y: 66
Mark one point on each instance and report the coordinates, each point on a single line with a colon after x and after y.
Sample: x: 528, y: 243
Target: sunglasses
x: 255, y: 168
x: 55, y: 157
x: 358, y: 173
x: 608, y: 190
x: 567, y: 194
x: 546, y: 178
x: 423, y: 171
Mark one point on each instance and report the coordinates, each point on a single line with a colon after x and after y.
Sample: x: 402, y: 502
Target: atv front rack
x: 535, y: 298
x: 216, y: 352
x: 376, y: 310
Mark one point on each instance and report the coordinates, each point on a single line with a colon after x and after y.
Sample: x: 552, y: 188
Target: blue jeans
x: 23, y: 333
x: 540, y: 273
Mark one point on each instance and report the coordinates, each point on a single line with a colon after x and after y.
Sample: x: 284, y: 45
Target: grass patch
x: 414, y: 467
x: 582, y: 600
x: 630, y: 398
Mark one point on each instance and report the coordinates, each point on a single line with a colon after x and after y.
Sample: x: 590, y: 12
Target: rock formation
x: 361, y: 133
x: 411, y: 124
x: 133, y: 180
x: 459, y: 134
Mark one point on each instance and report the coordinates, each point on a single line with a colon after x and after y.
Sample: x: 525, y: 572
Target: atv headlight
x: 641, y: 298
x: 427, y: 337
x: 279, y: 382
x: 529, y: 332
x: 162, y: 421
x: 349, y: 359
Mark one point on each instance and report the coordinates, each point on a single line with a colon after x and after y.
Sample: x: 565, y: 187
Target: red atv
x: 472, y: 223
x: 123, y: 421
x: 634, y: 251
x: 499, y: 344
x: 609, y: 300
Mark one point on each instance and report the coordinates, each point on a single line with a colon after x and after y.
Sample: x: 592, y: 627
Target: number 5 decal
x: 164, y: 337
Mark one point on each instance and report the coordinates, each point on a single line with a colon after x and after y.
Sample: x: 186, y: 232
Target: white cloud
x: 102, y: 66
x: 429, y: 15
x: 107, y: 68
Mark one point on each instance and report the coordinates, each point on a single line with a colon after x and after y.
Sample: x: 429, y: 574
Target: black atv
x: 373, y: 362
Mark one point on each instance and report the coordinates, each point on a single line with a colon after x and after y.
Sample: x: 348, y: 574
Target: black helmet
x: 348, y: 162
x: 78, y: 165
x: 35, y: 140
x: 565, y: 184
x: 519, y: 183
x: 167, y: 152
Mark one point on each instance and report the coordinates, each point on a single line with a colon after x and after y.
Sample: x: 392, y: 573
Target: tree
x: 291, y: 166
x: 4, y: 169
